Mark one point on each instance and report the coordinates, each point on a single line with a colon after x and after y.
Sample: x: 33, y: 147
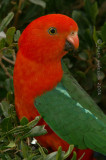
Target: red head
x: 48, y: 38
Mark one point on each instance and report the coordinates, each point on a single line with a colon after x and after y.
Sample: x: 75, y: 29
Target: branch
x: 14, y: 57
x: 8, y: 60
x: 5, y: 69
x: 18, y: 12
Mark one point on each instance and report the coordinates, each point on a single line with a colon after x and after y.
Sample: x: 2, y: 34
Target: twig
x: 86, y: 71
x: 18, y: 12
x: 17, y: 151
x: 77, y: 57
x: 82, y: 156
x: 28, y: 141
x: 79, y: 6
x: 14, y: 57
x: 8, y: 60
x: 9, y: 149
x: 5, y: 69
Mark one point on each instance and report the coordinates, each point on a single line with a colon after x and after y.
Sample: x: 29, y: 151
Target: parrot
x: 43, y: 86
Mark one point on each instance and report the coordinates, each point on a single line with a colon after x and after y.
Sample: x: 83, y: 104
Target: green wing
x: 73, y: 117
x: 80, y: 95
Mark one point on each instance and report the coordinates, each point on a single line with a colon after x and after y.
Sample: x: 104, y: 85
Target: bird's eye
x: 52, y: 31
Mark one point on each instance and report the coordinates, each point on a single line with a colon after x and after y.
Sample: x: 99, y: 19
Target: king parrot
x: 38, y: 70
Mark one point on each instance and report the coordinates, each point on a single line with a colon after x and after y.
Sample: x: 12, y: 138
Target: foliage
x: 87, y: 65
x: 14, y: 137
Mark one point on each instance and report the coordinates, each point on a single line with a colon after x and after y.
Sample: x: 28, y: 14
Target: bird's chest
x: 34, y: 80
x: 45, y: 79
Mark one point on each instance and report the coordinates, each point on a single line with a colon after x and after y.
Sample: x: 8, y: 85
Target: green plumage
x: 73, y: 115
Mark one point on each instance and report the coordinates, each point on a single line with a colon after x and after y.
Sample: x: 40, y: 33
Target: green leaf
x: 10, y: 97
x: 8, y: 52
x: 83, y: 56
x: 34, y: 122
x: 91, y: 10
x: 3, y: 92
x: 9, y: 85
x: 6, y: 157
x: 81, y: 74
x: 60, y: 154
x: 39, y: 2
x: 24, y: 129
x: 41, y: 150
x: 24, y: 149
x: 17, y: 35
x: 11, y: 144
x: 17, y: 157
x: 36, y: 131
x: 89, y: 39
x: 2, y: 43
x: 18, y: 130
x: 81, y: 19
x: 71, y: 147
x: 24, y: 121
x: 51, y: 156
x: 6, y: 21
x: 6, y: 124
x: 56, y: 155
x: 10, y: 35
x: 5, y: 107
x: 95, y: 35
x: 103, y: 31
x: 103, y: 60
x: 74, y: 157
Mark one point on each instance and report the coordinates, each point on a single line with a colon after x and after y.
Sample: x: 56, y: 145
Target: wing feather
x: 71, y: 121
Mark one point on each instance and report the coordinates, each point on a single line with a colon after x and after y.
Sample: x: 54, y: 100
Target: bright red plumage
x: 38, y: 70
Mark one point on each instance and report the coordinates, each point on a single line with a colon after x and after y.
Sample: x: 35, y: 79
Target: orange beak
x: 72, y: 42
